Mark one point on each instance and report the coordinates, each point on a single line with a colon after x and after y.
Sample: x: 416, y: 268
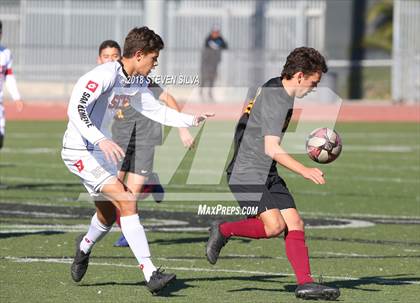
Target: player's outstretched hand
x: 186, y: 138
x: 113, y: 152
x: 202, y: 118
x: 313, y: 174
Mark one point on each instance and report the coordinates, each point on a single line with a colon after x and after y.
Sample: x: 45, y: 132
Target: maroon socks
x: 296, y: 250
x: 298, y: 256
x: 249, y: 228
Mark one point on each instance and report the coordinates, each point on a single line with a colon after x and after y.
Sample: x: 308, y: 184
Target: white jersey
x: 97, y: 95
x: 6, y: 74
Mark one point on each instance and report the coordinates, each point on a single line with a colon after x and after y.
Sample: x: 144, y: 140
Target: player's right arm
x: 277, y: 153
x: 10, y: 79
x: 274, y: 112
x: 87, y: 91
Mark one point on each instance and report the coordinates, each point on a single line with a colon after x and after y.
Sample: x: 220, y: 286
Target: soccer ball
x: 323, y: 145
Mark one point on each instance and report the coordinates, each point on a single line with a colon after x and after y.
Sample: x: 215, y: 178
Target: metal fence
x: 56, y: 41
x: 406, y: 51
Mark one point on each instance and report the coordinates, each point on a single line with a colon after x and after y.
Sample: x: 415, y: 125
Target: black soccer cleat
x: 159, y: 281
x: 315, y: 291
x: 158, y: 192
x: 215, y: 243
x: 80, y: 262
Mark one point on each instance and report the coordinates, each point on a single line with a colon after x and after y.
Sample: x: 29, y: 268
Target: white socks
x: 136, y: 237
x: 96, y: 232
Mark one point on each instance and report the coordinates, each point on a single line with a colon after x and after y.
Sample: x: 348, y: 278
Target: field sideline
x: 363, y: 226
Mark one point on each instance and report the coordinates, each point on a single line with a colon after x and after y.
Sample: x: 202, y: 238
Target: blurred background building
x: 372, y: 46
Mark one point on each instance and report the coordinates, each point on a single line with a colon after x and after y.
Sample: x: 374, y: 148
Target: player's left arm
x: 184, y: 133
x: 145, y: 103
x: 11, y: 85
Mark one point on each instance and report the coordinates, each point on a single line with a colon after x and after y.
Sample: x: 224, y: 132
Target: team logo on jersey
x: 119, y: 100
x: 79, y: 165
x: 92, y: 86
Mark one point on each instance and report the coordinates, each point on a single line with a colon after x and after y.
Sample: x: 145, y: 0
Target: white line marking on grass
x: 35, y: 135
x: 155, y: 225
x: 31, y: 164
x: 310, y: 214
x: 386, y: 135
x: 31, y: 150
x: 37, y: 214
x: 335, y: 176
x: 374, y: 167
x: 358, y: 215
x: 196, y: 269
x: 39, y: 180
x: 381, y: 148
x: 330, y: 253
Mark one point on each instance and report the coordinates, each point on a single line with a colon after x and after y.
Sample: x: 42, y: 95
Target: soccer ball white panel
x: 316, y: 141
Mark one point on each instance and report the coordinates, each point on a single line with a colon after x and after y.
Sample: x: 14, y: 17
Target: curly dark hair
x: 303, y: 59
x: 142, y: 39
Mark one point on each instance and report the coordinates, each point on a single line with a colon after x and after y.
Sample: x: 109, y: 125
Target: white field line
x: 357, y: 215
x: 195, y: 269
x: 347, y: 147
x: 35, y: 135
x: 156, y: 225
x: 31, y: 164
x: 217, y: 187
x: 324, y: 215
x: 337, y: 167
x: 37, y: 214
x: 361, y: 134
x: 39, y: 180
x: 30, y: 150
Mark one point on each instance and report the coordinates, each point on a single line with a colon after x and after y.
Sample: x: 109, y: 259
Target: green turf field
x: 374, y: 185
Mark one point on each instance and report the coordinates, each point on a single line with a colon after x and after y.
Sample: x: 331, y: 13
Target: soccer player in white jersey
x: 89, y: 153
x: 137, y: 166
x: 7, y: 77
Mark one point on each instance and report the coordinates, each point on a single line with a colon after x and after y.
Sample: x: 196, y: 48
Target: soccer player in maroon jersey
x: 253, y: 176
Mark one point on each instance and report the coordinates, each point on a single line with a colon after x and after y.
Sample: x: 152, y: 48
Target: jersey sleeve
x: 155, y: 89
x: 10, y: 80
x: 274, y: 111
x: 87, y: 91
x: 145, y: 103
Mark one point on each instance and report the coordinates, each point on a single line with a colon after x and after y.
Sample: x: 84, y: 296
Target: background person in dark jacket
x: 210, y: 59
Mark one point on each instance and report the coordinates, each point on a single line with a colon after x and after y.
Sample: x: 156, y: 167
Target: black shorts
x: 139, y: 160
x: 273, y: 194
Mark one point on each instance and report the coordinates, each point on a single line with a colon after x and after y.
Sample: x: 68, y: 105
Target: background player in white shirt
x: 89, y: 152
x: 7, y: 77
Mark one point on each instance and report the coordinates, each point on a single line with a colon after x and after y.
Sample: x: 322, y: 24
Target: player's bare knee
x: 128, y: 208
x: 297, y: 224
x: 274, y: 230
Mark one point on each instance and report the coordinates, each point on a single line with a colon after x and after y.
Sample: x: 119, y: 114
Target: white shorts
x: 2, y: 119
x: 91, y: 167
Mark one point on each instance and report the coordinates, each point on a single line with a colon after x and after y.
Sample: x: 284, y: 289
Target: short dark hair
x: 142, y: 39
x: 109, y: 43
x: 303, y: 59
